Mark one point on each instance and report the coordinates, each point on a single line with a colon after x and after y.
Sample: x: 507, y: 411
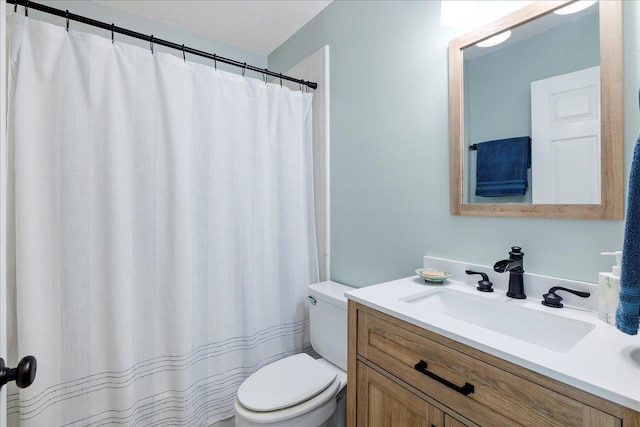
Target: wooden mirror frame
x: 611, y: 143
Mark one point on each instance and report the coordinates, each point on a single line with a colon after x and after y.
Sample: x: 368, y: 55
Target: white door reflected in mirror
x: 565, y: 118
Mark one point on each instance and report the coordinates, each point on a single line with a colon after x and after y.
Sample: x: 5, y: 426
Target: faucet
x: 516, y: 270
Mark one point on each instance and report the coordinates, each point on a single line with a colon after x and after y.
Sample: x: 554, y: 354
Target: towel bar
x: 474, y: 147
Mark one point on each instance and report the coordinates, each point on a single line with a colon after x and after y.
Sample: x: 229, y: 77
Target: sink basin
x: 545, y: 330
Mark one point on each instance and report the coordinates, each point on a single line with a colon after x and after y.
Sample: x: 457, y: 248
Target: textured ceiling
x: 259, y: 26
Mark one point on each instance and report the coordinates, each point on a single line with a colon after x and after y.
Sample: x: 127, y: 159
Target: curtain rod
x: 151, y: 39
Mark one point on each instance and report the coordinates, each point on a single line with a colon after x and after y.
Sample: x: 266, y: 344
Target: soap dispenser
x: 609, y: 290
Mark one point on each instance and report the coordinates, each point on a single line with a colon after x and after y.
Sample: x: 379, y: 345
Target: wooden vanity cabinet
x: 407, y: 376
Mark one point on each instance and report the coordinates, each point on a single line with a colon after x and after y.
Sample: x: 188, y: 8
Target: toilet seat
x: 294, y: 377
x: 327, y: 397
x: 285, y: 383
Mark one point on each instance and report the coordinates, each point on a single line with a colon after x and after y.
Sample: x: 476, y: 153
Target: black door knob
x: 23, y: 374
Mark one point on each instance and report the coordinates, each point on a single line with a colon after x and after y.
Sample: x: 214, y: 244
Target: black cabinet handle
x: 465, y: 390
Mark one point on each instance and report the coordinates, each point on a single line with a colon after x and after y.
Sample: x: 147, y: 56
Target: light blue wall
x: 509, y: 72
x: 389, y: 150
x: 146, y: 26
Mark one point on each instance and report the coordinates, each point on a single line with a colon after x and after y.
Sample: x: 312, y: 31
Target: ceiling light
x: 473, y: 13
x: 497, y: 39
x: 457, y: 13
x: 575, y: 7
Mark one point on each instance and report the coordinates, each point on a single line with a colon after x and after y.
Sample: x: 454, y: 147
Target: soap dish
x: 433, y: 275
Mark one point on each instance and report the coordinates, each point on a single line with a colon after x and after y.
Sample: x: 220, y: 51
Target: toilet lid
x: 285, y: 383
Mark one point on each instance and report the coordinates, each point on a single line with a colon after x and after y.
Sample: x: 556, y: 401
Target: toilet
x: 300, y: 390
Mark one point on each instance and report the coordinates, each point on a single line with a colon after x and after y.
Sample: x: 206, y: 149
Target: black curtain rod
x: 185, y: 49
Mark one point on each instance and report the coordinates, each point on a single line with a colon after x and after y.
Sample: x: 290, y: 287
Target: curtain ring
x: 151, y: 44
x: 15, y: 8
x: 67, y: 16
x: 26, y: 8
x: 112, y: 32
x: 215, y: 62
x: 244, y: 70
x: 301, y: 87
x: 184, y: 55
x: 264, y: 75
x: 280, y: 79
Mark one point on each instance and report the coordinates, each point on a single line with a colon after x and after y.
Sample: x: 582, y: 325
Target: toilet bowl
x: 300, y: 390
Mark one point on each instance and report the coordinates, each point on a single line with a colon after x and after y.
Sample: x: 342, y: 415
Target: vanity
x: 447, y: 355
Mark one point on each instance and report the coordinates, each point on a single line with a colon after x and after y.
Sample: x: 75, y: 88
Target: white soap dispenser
x: 609, y: 290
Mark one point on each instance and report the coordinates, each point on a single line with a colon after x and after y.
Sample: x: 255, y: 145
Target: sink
x: 545, y: 330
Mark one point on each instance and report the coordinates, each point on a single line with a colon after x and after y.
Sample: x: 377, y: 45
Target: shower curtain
x: 162, y: 230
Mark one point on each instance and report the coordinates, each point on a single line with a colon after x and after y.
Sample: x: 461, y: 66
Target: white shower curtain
x: 164, y: 235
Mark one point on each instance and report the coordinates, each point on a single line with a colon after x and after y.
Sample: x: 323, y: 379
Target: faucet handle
x: 516, y: 252
x: 555, y: 301
x: 485, y: 284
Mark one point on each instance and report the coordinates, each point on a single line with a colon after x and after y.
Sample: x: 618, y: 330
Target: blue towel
x: 502, y: 167
x: 628, y: 312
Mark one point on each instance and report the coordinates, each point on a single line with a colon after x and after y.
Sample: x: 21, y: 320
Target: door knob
x: 23, y: 374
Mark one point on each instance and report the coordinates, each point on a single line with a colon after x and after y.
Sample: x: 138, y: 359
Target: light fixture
x: 575, y: 7
x: 473, y: 13
x: 497, y: 39
x: 457, y: 13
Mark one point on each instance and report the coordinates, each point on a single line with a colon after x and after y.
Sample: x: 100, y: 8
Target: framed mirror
x: 547, y: 102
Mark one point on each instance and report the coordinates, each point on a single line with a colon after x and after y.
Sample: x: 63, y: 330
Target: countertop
x: 605, y: 362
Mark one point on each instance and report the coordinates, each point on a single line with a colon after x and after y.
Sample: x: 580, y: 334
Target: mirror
x: 558, y: 80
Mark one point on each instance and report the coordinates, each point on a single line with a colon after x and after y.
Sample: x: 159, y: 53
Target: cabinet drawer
x: 445, y: 374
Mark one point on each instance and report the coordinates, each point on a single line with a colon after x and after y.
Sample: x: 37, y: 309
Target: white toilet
x: 300, y: 390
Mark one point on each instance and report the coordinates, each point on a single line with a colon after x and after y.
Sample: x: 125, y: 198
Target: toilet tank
x: 328, y: 321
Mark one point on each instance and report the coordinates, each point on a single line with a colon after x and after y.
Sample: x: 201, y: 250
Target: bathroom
x: 389, y: 200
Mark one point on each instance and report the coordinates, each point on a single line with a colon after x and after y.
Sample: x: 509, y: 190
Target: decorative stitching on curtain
x: 126, y: 378
x: 239, y: 378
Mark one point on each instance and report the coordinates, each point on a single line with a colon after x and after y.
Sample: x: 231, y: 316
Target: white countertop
x: 605, y: 362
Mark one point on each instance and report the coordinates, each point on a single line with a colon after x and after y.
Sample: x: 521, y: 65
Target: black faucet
x: 516, y: 270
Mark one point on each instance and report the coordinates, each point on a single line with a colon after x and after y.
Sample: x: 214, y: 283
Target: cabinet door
x: 383, y: 403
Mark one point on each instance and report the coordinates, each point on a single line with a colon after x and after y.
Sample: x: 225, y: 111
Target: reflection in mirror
x: 498, y: 93
x: 542, y: 83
